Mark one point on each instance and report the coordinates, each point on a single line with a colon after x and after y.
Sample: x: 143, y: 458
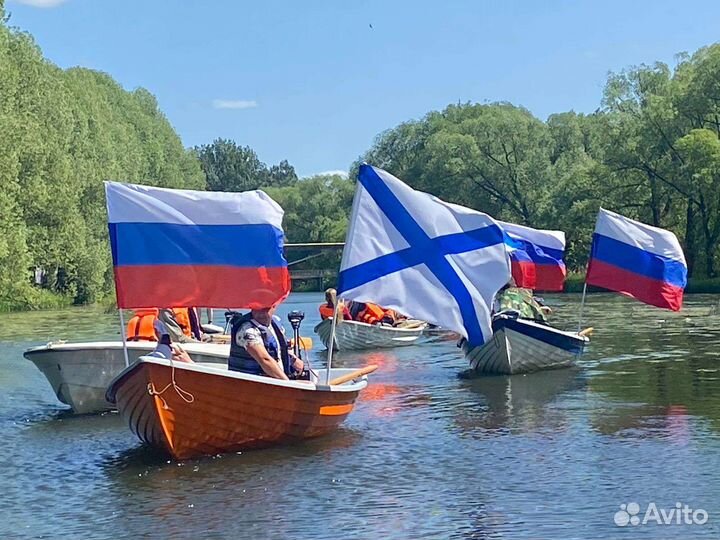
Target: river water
x: 425, y: 454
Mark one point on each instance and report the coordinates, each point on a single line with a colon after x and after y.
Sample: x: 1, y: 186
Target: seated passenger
x: 392, y: 317
x: 327, y: 309
x: 521, y: 300
x: 258, y: 346
x: 371, y: 314
x: 355, y: 309
x: 168, y: 350
x: 142, y: 326
x: 181, y: 323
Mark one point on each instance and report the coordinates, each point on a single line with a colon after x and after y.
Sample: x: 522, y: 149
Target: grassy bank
x: 36, y: 299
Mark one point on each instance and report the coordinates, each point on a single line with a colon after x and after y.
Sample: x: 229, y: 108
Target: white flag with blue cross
x: 432, y: 260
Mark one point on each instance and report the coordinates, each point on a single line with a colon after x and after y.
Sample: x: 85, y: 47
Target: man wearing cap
x: 258, y: 346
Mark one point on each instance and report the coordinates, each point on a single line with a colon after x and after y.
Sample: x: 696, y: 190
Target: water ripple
x: 424, y: 455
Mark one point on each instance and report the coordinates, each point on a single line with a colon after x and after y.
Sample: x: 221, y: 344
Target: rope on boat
x: 186, y: 396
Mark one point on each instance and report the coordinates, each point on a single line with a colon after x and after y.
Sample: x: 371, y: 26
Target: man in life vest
x: 144, y: 326
x: 182, y: 324
x: 258, y: 346
x: 328, y: 308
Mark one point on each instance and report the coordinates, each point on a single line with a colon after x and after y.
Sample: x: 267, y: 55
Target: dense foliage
x: 230, y: 167
x: 316, y: 210
x: 652, y: 152
x: 62, y: 132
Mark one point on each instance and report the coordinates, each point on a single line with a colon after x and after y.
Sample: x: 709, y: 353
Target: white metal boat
x: 354, y: 335
x: 523, y: 346
x: 80, y: 373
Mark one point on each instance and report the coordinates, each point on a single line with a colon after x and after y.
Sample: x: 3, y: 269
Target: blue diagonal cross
x: 423, y: 250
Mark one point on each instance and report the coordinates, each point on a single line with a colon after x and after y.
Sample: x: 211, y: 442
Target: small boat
x: 524, y: 346
x: 188, y: 410
x: 355, y: 335
x: 80, y: 373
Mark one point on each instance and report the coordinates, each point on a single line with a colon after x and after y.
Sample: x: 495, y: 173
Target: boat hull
x: 354, y: 335
x: 215, y: 410
x: 79, y: 373
x: 522, y: 346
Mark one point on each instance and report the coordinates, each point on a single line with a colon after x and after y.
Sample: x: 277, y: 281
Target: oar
x: 586, y: 332
x: 306, y: 343
x: 354, y: 375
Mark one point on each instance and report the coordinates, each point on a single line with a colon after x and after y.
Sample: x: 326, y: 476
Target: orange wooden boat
x: 197, y: 409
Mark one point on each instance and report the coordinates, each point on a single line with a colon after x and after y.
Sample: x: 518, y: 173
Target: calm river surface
x: 424, y: 455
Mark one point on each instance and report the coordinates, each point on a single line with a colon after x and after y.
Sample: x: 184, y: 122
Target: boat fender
x: 587, y: 332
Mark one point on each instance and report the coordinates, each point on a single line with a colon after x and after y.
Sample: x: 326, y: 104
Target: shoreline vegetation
x: 573, y: 284
x: 650, y: 151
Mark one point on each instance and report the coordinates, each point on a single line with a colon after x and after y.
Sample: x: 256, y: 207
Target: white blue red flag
x: 174, y: 247
x: 537, y: 256
x: 429, y: 259
x: 638, y: 260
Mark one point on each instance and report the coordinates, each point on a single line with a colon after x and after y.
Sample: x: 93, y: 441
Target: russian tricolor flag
x: 536, y: 256
x: 638, y: 260
x: 173, y: 247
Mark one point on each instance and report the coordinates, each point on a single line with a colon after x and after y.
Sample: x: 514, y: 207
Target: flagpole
x: 122, y: 335
x: 332, y: 341
x: 582, y: 305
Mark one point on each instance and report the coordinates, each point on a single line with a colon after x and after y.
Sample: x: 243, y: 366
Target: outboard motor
x: 229, y: 316
x: 295, y: 317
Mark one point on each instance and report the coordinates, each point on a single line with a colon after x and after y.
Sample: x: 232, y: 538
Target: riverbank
x: 36, y: 300
x: 46, y: 300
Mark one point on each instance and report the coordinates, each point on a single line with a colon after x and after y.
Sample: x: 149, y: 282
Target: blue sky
x: 312, y: 82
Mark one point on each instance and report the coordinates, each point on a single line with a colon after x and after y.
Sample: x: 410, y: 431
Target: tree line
x: 316, y: 208
x: 62, y: 132
x: 650, y: 151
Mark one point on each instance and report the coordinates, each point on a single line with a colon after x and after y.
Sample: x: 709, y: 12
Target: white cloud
x: 234, y: 104
x: 337, y: 172
x: 40, y: 3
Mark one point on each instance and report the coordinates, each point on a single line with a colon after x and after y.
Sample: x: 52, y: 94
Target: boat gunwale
x: 413, y: 331
x: 115, y: 345
x: 534, y: 324
x: 209, y: 370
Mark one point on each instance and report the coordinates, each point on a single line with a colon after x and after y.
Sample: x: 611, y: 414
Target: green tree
x: 62, y: 132
x: 316, y: 210
x: 231, y: 167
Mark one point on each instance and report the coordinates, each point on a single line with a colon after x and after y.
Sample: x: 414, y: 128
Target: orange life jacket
x: 182, y: 316
x: 142, y: 326
x: 326, y: 312
x: 372, y: 314
x: 390, y: 316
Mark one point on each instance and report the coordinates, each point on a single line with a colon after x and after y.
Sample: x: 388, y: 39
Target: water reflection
x: 424, y: 454
x: 516, y: 404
